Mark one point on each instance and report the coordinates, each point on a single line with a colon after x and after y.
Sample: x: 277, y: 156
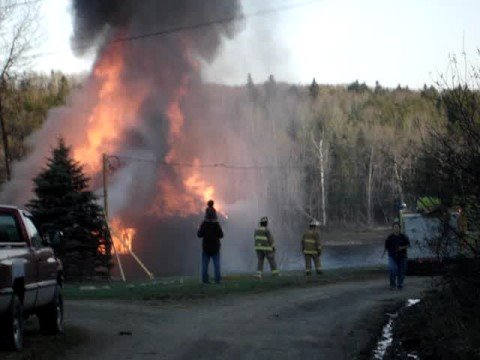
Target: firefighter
x: 312, y: 248
x: 265, y: 248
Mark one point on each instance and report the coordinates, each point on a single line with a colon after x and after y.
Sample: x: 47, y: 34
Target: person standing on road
x: 396, y: 245
x: 211, y: 232
x: 312, y: 248
x: 265, y: 248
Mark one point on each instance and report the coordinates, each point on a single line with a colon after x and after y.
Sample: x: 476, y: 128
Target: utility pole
x: 105, y: 210
x: 105, y: 184
x: 122, y: 273
x: 105, y: 167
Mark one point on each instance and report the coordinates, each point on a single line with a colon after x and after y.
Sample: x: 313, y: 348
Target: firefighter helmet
x: 314, y: 223
x: 264, y: 220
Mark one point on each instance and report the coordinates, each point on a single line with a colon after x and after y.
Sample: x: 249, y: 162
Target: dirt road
x: 325, y: 322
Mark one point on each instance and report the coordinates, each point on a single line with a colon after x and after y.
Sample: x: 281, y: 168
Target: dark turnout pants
x: 270, y: 255
x: 308, y: 262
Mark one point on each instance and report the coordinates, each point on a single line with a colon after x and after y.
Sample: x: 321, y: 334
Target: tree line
x: 355, y: 145
x: 25, y: 102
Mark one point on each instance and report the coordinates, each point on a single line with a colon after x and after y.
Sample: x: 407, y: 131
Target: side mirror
x: 46, y: 240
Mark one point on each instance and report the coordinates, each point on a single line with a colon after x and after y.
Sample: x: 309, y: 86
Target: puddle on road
x: 387, y: 334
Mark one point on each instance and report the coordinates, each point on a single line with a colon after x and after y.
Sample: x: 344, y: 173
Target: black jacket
x: 393, y: 242
x: 211, y: 232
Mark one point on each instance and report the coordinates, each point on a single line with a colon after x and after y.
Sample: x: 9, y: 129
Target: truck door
x: 45, y: 262
x: 16, y: 253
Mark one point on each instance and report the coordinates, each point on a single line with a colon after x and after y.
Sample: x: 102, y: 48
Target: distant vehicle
x: 30, y: 277
x: 433, y: 242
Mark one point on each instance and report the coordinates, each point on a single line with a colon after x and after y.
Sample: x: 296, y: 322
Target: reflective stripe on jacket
x: 311, y: 243
x: 263, y: 240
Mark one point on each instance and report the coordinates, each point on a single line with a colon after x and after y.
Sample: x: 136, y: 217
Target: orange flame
x: 122, y: 237
x: 201, y: 189
x: 115, y: 111
x: 176, y: 119
x: 170, y: 202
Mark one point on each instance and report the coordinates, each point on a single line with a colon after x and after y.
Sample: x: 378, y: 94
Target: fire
x: 176, y: 119
x: 122, y: 236
x: 116, y: 109
x: 199, y: 187
x: 172, y: 201
x: 174, y: 113
x: 185, y: 200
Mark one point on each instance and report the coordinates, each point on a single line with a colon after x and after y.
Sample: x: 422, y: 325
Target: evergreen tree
x: 314, y: 89
x: 63, y: 90
x: 271, y: 87
x: 357, y: 87
x: 251, y: 90
x: 63, y: 202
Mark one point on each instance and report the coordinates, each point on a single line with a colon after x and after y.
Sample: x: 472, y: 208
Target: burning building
x: 145, y: 106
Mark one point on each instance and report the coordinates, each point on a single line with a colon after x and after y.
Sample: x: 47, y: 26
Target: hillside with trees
x: 340, y: 154
x: 26, y: 99
x: 351, y: 147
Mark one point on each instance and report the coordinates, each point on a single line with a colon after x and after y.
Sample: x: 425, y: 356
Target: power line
x: 200, y: 166
x: 232, y: 166
x: 215, y: 22
x: 188, y: 27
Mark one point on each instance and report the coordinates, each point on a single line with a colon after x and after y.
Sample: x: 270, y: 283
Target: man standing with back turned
x: 265, y: 248
x: 312, y: 248
x: 396, y: 245
x: 211, y: 232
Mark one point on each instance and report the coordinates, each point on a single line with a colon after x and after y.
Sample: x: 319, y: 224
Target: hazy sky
x: 336, y: 41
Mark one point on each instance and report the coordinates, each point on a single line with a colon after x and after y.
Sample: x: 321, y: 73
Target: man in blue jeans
x: 211, y: 232
x: 396, y: 245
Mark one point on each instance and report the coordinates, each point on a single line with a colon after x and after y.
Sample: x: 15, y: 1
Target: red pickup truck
x: 30, y: 277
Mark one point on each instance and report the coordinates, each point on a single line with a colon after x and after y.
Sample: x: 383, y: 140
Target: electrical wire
x: 212, y: 165
x: 186, y: 27
x: 215, y: 22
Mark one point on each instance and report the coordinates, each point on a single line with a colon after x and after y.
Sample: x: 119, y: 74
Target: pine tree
x: 314, y: 89
x: 271, y: 88
x: 63, y: 202
x: 251, y: 89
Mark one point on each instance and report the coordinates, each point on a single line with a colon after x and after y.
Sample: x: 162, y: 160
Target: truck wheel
x: 12, y: 329
x: 51, y: 316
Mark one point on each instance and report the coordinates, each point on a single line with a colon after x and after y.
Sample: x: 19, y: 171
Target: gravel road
x: 324, y: 322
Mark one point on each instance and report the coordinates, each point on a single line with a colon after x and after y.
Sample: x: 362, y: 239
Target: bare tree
x: 321, y: 155
x: 17, y: 31
x: 369, y: 184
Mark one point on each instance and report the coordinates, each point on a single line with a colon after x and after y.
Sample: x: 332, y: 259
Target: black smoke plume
x: 94, y: 19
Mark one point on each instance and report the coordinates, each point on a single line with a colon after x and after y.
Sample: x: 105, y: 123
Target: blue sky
x: 336, y: 41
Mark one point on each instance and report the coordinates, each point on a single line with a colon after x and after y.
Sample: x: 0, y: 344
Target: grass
x: 179, y: 288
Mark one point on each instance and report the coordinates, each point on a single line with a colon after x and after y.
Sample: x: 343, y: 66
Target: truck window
x: 33, y: 233
x: 9, y: 232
